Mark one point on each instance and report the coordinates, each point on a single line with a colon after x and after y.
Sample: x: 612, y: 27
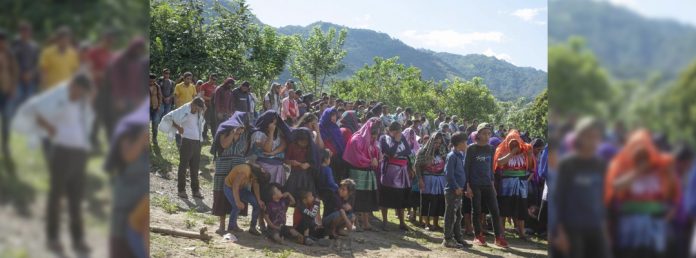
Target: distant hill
x: 630, y: 46
x: 505, y: 80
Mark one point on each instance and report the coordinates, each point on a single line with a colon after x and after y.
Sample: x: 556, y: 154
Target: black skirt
x: 513, y: 206
x: 396, y: 198
x: 433, y: 205
x: 365, y: 201
x: 414, y: 199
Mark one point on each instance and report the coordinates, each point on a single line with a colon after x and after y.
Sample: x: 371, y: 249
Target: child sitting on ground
x: 309, y: 223
x: 276, y: 208
x: 338, y: 211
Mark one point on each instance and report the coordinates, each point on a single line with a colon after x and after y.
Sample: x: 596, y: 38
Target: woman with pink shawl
x: 362, y: 155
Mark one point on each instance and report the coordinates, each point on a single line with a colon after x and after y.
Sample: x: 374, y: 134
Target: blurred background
x: 47, y: 49
x: 631, y: 65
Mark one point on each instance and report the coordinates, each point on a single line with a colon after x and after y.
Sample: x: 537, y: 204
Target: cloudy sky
x: 512, y: 30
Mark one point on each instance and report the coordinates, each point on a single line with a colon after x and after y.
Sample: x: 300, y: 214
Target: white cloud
x: 362, y: 22
x: 529, y: 14
x: 502, y: 56
x: 626, y: 3
x: 448, y: 39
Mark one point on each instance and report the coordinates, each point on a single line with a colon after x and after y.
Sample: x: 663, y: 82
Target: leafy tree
x: 468, y: 99
x: 577, y: 83
x: 317, y: 57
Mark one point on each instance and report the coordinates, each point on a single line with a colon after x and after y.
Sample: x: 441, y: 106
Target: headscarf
x: 361, y: 148
x: 237, y: 119
x: 624, y: 162
x: 125, y: 74
x: 330, y: 130
x: 312, y: 152
x: 504, y: 149
x: 267, y: 118
x: 426, y: 154
x: 494, y: 141
x: 129, y: 125
x: 349, y: 120
x: 412, y: 139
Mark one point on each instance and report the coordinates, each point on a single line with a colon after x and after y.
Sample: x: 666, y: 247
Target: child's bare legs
x: 468, y: 227
x: 435, y: 221
x: 520, y: 228
x: 427, y: 222
x: 385, y: 213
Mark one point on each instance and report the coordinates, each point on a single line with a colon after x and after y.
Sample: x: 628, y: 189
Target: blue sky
x: 513, y: 30
x: 683, y: 11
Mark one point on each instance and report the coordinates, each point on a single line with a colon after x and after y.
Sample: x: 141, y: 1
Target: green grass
x: 209, y: 220
x: 189, y: 223
x: 166, y: 204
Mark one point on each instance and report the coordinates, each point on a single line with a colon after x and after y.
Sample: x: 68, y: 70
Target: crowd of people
x: 59, y: 93
x: 287, y: 149
x: 615, y: 193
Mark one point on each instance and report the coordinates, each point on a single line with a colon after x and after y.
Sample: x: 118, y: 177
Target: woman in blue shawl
x: 333, y: 140
x: 268, y: 142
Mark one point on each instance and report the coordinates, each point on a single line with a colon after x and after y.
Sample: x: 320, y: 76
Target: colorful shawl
x: 426, y: 154
x: 129, y: 126
x: 623, y: 163
x: 331, y: 131
x: 504, y: 148
x: 412, y: 139
x: 361, y: 148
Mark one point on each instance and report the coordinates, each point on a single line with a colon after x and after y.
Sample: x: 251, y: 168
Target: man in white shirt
x: 66, y: 124
x: 190, y: 127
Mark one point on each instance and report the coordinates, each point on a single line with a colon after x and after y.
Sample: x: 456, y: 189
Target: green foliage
x: 397, y: 85
x: 193, y: 36
x: 577, y: 83
x: 318, y: 57
x: 87, y: 19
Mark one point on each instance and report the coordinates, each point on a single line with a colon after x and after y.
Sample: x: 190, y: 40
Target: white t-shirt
x: 191, y: 125
x: 70, y: 129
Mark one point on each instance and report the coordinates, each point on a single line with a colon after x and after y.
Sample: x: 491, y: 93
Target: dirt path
x: 169, y: 210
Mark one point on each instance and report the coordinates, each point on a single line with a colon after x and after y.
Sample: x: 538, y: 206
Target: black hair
x: 683, y: 153
x: 324, y: 154
x: 409, y: 123
x: 305, y: 194
x: 267, y: 194
x: 349, y: 184
x: 153, y: 76
x: 457, y: 138
x: 212, y: 75
x: 408, y: 110
x: 394, y: 126
x: 198, y: 102
x: 188, y: 74
x: 82, y: 81
x: 246, y: 84
x: 538, y: 143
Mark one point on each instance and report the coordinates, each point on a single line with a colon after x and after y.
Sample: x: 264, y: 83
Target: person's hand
x: 315, y: 126
x: 458, y: 191
x: 411, y: 173
x: 421, y: 184
x: 271, y: 129
x: 240, y: 205
x: 469, y: 194
x: 262, y: 205
x: 374, y: 162
x: 349, y: 225
x: 305, y: 165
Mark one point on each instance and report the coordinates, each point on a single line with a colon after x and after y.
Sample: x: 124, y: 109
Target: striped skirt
x: 366, y: 189
x: 223, y: 166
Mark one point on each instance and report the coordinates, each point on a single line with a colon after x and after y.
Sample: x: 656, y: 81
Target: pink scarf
x: 361, y: 148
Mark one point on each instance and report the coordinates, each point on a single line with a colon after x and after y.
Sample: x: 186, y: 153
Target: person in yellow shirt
x: 59, y: 61
x: 185, y: 91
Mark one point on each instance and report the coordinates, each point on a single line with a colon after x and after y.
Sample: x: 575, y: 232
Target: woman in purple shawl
x: 229, y: 149
x: 270, y: 151
x: 396, y: 174
x: 128, y: 162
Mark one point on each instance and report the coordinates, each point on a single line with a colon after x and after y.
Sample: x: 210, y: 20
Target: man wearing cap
x: 478, y: 164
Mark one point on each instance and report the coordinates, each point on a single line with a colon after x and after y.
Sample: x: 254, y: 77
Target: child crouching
x: 338, y: 211
x: 276, y: 209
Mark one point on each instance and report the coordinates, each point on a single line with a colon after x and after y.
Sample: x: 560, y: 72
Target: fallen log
x: 201, y: 234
